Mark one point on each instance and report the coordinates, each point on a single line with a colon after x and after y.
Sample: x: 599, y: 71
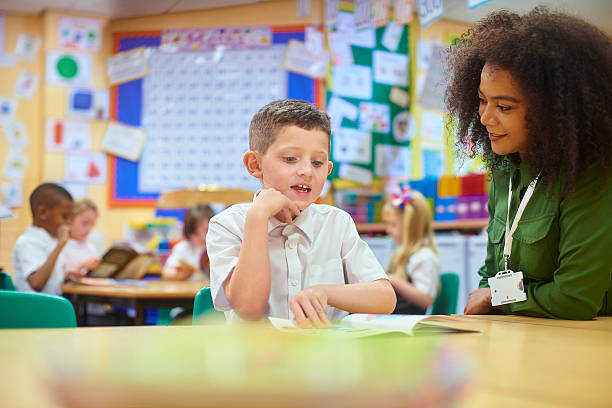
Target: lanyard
x: 517, y: 217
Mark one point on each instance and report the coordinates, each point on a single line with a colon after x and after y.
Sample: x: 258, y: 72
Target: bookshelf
x: 463, y: 225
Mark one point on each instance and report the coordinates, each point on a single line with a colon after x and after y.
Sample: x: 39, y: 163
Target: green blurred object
x: 164, y: 318
x: 203, y: 306
x: 20, y: 310
x: 446, y: 302
x: 6, y: 283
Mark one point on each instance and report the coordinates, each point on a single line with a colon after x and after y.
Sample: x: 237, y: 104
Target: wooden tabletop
x: 512, y: 361
x: 153, y: 289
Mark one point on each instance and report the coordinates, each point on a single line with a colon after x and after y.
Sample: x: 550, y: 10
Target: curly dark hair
x: 563, y: 66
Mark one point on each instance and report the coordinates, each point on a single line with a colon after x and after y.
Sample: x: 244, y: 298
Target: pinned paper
x: 124, y: 141
x: 12, y: 195
x: 64, y: 68
x: 352, y: 81
x: 15, y: 165
x: 80, y: 34
x: 399, y: 97
x: 380, y: 11
x: 26, y: 85
x: 363, y: 14
x: 27, y: 47
x: 16, y: 135
x: 298, y: 59
x: 432, y: 96
x: 88, y: 103
x: 403, y: 11
x: 424, y: 50
x: 374, y: 117
x: 392, y: 36
x: 331, y: 13
x: 313, y: 40
x: 7, y: 109
x: 76, y: 190
x: 85, y: 168
x: 67, y: 135
x: 303, y: 8
x: 394, y: 161
x: 5, y: 212
x: 472, y: 4
x: 433, y: 163
x: 338, y: 109
x: 365, y: 37
x: 353, y: 146
x: 432, y: 126
x: 356, y: 174
x: 403, y: 127
x: 7, y: 60
x: 390, y: 68
x: 430, y: 11
x: 128, y: 65
x: 341, y: 52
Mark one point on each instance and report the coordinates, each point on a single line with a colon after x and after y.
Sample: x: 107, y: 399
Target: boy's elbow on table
x: 387, y: 296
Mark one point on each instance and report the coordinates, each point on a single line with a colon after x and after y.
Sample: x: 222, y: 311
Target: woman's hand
x: 479, y: 302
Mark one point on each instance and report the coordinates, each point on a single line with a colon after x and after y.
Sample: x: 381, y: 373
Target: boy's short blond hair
x: 84, y: 204
x: 273, y: 117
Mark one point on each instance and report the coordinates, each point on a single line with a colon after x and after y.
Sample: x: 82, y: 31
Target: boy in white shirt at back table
x: 283, y: 256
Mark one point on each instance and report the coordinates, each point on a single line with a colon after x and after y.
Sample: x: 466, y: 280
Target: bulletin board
x: 373, y: 138
x: 127, y: 108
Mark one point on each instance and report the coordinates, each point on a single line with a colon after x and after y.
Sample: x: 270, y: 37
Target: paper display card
x: 65, y: 68
x: 12, y: 195
x: 27, y: 47
x: 365, y: 38
x: 403, y: 11
x: 338, y: 109
x: 352, y: 81
x: 210, y: 39
x: 299, y: 59
x: 79, y: 34
x: 85, y: 168
x: 394, y: 161
x: 128, y: 65
x: 432, y: 126
x: 352, y: 146
x: 5, y: 212
x: 374, y: 117
x: 341, y: 53
x: 399, y: 97
x: 433, y: 162
x: 26, y: 85
x: 76, y: 190
x: 15, y: 165
x: 8, y: 107
x: 390, y: 68
x: 331, y: 13
x: 432, y: 95
x: 361, y: 325
x: 7, y: 60
x: 392, y: 36
x: 303, y: 8
x: 355, y: 173
x: 472, y: 4
x: 88, y: 103
x: 380, y: 12
x: 16, y: 135
x: 313, y: 40
x: 404, y: 127
x: 430, y: 11
x: 363, y: 14
x: 124, y: 141
x: 67, y: 136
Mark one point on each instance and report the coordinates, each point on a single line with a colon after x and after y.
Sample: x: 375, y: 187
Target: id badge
x: 507, y: 287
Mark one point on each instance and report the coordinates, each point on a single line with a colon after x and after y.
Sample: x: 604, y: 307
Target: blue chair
x: 6, y: 283
x: 21, y: 310
x: 204, y: 308
x: 446, y: 302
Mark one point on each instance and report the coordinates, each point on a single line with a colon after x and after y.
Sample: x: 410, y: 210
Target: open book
x: 361, y: 325
x: 123, y: 262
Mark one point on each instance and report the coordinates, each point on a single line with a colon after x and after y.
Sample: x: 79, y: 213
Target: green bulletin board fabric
x: 380, y: 94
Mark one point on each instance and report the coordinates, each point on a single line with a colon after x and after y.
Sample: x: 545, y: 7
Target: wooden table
x: 154, y: 295
x: 516, y: 362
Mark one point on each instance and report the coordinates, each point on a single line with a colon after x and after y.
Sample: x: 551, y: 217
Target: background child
x: 188, y: 259
x: 282, y: 256
x: 80, y: 255
x: 414, y: 268
x: 37, y: 259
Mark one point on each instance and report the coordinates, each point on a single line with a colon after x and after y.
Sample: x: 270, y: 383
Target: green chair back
x: 203, y: 306
x: 6, y: 283
x: 446, y: 302
x: 21, y: 310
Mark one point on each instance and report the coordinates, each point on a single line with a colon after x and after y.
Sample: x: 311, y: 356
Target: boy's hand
x: 309, y: 308
x: 274, y: 203
x: 184, y: 270
x: 63, y: 233
x: 90, y: 264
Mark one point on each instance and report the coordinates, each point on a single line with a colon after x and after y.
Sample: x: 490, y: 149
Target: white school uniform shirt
x: 31, y: 251
x: 322, y: 246
x: 190, y: 254
x: 423, y: 268
x: 76, y: 252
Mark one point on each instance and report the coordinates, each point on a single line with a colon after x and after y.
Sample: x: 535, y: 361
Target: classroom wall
x: 29, y: 112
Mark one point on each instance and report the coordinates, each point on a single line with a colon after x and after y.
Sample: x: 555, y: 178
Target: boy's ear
x: 42, y: 212
x: 330, y: 166
x: 252, y: 163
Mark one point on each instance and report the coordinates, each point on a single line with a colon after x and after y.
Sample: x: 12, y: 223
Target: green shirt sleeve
x: 488, y: 269
x: 580, y: 282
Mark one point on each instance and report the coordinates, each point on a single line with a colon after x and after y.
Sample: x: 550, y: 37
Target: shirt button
x: 292, y: 244
x: 293, y: 282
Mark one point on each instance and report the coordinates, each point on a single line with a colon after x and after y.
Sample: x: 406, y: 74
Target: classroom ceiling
x: 598, y: 12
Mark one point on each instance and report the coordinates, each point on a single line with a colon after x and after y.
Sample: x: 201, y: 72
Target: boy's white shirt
x: 31, y: 251
x: 76, y: 252
x: 322, y: 246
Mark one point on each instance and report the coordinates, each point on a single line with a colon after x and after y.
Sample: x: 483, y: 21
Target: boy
x: 37, y: 263
x: 282, y: 256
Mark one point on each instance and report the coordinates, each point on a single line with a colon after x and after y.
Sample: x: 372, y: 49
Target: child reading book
x: 80, y: 255
x: 414, y: 268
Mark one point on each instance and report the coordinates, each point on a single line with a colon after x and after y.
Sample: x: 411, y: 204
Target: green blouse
x: 563, y: 244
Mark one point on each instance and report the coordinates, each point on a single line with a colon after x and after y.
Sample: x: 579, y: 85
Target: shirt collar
x: 518, y: 167
x: 303, y: 221
x: 41, y: 232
